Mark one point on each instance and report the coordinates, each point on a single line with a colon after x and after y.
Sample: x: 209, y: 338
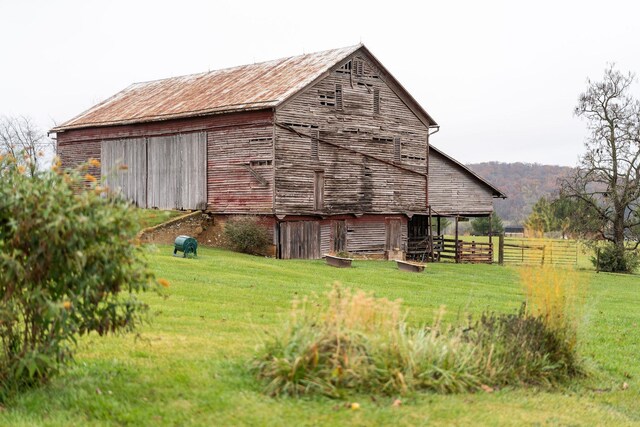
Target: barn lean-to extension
x: 328, y: 147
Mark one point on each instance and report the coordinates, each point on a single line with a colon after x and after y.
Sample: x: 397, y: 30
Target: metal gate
x: 540, y: 252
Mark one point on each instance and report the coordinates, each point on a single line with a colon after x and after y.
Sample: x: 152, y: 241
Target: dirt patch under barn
x: 198, y: 225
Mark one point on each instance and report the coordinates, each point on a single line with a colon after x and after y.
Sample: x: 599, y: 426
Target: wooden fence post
x: 501, y: 248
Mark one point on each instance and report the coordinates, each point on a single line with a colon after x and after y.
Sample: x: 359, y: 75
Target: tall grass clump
x: 357, y: 342
x: 354, y: 342
x: 555, y: 298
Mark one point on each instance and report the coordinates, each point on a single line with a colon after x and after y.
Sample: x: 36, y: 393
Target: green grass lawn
x: 188, y: 366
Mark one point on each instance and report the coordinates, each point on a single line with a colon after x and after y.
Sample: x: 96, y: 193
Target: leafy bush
x: 521, y: 348
x: 69, y: 267
x: 361, y: 343
x: 611, y: 258
x: 245, y: 234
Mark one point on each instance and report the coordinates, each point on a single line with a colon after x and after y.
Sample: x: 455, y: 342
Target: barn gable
x: 353, y: 130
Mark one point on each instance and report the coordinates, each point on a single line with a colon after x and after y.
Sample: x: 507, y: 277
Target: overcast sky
x: 500, y: 77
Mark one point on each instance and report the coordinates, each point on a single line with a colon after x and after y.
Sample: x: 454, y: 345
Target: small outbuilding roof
x: 242, y: 88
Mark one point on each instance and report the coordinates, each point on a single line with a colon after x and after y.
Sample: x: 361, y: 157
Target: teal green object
x: 186, y: 245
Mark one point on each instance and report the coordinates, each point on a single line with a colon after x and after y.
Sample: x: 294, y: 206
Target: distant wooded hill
x: 524, y: 184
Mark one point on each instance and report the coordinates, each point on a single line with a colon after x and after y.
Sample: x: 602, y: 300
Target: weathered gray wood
x: 300, y: 239
x: 124, y: 168
x: 452, y: 191
x: 177, y: 171
x: 165, y: 172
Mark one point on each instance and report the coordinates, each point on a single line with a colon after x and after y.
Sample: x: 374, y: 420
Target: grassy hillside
x: 188, y: 366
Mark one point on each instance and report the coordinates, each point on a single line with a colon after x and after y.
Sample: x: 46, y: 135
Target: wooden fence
x: 468, y: 252
x: 474, y: 252
x: 539, y: 252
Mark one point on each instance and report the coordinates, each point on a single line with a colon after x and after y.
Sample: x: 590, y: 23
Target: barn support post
x: 457, y: 245
x: 430, y: 234
x: 439, y: 228
x: 490, y: 226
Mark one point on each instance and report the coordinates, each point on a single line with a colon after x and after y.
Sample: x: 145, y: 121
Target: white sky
x: 500, y: 77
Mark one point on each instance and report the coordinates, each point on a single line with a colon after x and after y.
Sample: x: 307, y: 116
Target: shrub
x: 245, y: 234
x: 362, y: 344
x: 69, y: 267
x: 611, y: 258
x: 522, y: 349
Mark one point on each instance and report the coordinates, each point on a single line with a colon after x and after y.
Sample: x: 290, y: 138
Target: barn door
x: 177, y: 171
x: 393, y: 235
x: 339, y: 235
x: 124, y: 168
x: 165, y: 172
x: 299, y: 239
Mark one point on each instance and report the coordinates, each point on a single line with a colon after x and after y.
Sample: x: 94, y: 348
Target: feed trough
x: 413, y: 267
x: 336, y: 261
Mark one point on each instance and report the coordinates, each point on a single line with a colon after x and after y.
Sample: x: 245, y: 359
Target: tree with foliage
x: 607, y: 179
x: 480, y: 226
x: 542, y: 218
x: 549, y: 215
x: 69, y: 265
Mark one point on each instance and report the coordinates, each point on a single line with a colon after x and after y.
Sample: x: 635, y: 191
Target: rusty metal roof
x: 246, y: 87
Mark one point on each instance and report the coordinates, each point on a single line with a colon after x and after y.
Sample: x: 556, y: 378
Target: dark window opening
x: 327, y: 98
x: 413, y: 158
x: 254, y: 163
x: 265, y: 139
x: 381, y: 139
x: 300, y: 125
x: 346, y: 68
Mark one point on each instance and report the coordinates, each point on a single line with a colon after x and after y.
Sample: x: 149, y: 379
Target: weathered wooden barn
x: 328, y: 147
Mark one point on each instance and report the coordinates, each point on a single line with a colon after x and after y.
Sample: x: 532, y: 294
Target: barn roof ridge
x: 241, y: 86
x: 259, y: 63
